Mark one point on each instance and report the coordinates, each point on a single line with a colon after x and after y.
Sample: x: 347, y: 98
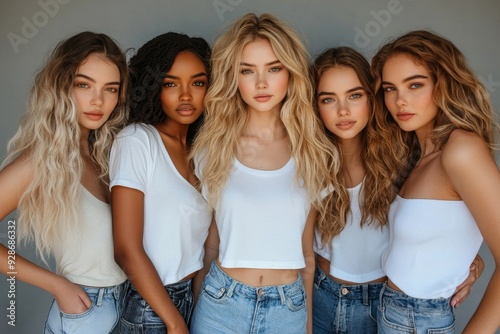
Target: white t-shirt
x: 176, y: 218
x: 432, y: 244
x: 261, y: 218
x: 355, y: 254
x: 90, y: 260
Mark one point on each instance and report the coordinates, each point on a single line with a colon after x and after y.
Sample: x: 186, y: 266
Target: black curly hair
x: 148, y: 68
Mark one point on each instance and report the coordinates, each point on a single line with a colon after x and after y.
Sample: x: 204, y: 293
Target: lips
x: 94, y: 115
x: 262, y: 98
x: 345, y: 125
x: 404, y: 116
x: 185, y: 109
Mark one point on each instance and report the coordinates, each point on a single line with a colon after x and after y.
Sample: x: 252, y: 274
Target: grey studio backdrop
x: 29, y: 29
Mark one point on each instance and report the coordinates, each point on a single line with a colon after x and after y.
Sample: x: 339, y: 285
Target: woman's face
x: 183, y: 89
x: 96, y: 91
x: 408, y: 92
x: 343, y: 102
x: 262, y: 79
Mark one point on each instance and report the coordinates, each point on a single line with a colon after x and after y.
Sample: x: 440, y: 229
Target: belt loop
x: 231, y: 288
x: 382, y: 293
x: 100, y: 296
x: 282, y: 294
x: 366, y: 294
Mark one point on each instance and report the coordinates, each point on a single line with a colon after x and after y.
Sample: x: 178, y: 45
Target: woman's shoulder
x: 463, y: 150
x: 137, y: 131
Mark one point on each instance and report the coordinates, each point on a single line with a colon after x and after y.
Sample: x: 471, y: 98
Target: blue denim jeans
x: 228, y: 306
x: 104, y: 311
x: 400, y: 313
x: 338, y: 308
x: 139, y: 317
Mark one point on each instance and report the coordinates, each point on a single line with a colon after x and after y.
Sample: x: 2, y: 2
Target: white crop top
x: 176, y: 218
x: 432, y: 244
x: 261, y: 218
x: 355, y: 254
x: 90, y: 260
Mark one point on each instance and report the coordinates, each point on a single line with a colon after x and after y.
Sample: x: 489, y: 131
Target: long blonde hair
x: 377, y: 191
x: 49, y: 136
x: 225, y: 115
x: 462, y: 100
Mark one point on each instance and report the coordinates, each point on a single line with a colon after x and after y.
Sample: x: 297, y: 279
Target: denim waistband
x: 114, y: 291
x: 251, y: 292
x: 364, y: 291
x: 180, y: 286
x: 399, y: 299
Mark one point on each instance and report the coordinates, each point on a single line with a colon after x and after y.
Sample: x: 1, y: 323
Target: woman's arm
x: 468, y: 163
x: 14, y: 180
x: 211, y: 253
x: 128, y: 229
x: 307, y: 273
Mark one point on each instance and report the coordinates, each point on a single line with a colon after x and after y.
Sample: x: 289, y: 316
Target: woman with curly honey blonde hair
x: 56, y: 175
x: 262, y: 158
x: 448, y: 202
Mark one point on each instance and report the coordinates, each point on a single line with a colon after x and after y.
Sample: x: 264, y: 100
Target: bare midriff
x: 324, y: 264
x: 261, y: 277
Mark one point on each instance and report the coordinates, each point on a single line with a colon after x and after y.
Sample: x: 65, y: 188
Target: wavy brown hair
x: 226, y: 116
x: 377, y: 190
x: 462, y: 100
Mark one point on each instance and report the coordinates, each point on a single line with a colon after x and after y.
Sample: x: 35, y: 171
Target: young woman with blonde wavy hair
x: 435, y: 106
x: 264, y: 165
x: 56, y: 173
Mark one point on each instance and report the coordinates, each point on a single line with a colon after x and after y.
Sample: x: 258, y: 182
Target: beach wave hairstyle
x: 462, y: 100
x: 377, y: 191
x: 225, y: 116
x: 49, y: 136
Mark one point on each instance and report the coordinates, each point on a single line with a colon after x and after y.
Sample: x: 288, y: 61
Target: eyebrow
x: 201, y: 74
x: 416, y: 76
x: 348, y: 91
x: 90, y: 79
x: 267, y: 64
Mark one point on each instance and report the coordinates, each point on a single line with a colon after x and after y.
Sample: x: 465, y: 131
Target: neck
x: 424, y: 140
x: 174, y: 130
x: 259, y: 124
x: 84, y: 142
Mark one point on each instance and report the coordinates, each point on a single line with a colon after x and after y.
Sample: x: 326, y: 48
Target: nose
x: 261, y: 81
x: 97, y: 98
x: 400, y: 99
x: 185, y: 93
x: 343, y: 109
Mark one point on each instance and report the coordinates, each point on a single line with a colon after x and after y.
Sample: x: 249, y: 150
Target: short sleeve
x: 131, y: 159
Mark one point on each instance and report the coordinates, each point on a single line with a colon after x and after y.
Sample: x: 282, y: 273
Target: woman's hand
x: 71, y: 298
x: 464, y: 289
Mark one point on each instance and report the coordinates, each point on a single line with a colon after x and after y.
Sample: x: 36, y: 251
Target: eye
x: 416, y: 85
x: 246, y: 71
x: 275, y: 69
x: 168, y: 84
x: 81, y: 85
x: 327, y: 100
x: 112, y: 89
x: 199, y: 83
x: 355, y: 96
x: 388, y: 89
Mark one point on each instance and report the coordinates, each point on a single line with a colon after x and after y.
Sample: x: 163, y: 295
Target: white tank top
x: 355, y: 254
x: 261, y: 218
x: 90, y: 260
x: 432, y: 244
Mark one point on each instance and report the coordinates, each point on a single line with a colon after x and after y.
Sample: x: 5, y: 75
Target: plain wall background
x: 31, y: 28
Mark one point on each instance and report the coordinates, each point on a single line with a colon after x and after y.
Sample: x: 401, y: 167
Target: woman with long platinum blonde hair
x: 264, y: 166
x: 56, y: 175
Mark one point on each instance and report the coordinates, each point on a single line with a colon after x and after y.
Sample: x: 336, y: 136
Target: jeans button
x: 344, y: 291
